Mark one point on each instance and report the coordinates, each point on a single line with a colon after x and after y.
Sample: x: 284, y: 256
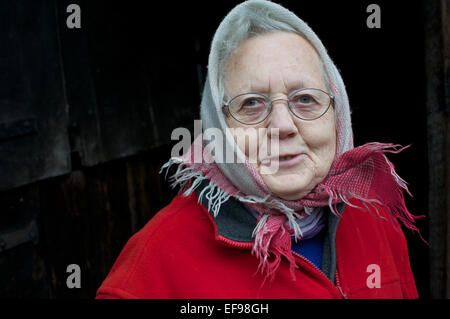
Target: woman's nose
x: 282, y: 119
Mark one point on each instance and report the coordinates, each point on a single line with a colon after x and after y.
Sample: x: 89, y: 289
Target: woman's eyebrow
x: 259, y: 88
x: 295, y: 85
x: 289, y: 85
x: 253, y: 87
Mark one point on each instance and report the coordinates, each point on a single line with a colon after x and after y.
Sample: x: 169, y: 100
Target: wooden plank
x: 437, y: 153
x: 127, y: 84
x: 31, y: 90
x: 96, y: 212
x: 84, y: 129
x: 446, y: 53
x: 148, y: 191
x: 22, y: 263
x: 87, y: 225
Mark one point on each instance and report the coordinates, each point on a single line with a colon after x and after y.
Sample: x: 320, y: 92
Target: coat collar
x: 234, y: 226
x: 236, y: 223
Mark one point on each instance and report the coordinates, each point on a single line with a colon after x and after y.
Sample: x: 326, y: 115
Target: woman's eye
x: 304, y: 99
x: 251, y: 102
x: 252, y: 105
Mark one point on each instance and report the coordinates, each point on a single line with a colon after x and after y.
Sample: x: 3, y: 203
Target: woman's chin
x: 289, y: 186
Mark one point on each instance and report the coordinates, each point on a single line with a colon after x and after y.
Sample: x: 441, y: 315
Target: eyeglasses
x: 253, y: 108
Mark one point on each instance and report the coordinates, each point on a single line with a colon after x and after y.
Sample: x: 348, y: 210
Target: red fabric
x: 179, y: 254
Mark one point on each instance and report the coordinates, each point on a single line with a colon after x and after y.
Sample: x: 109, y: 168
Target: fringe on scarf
x: 188, y: 179
x: 395, y: 207
x: 270, y: 230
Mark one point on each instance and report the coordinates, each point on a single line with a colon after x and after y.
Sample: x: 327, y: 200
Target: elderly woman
x: 322, y: 224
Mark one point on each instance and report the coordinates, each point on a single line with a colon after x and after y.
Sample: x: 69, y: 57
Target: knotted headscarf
x: 363, y: 173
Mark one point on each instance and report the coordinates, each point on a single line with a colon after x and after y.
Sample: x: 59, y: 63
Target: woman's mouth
x: 285, y: 161
x: 287, y: 157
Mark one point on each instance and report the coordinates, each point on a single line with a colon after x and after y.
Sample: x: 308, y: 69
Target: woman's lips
x: 285, y: 161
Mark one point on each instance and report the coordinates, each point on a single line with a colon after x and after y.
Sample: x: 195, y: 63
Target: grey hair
x: 251, y: 23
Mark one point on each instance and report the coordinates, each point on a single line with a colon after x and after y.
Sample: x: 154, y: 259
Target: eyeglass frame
x: 226, y: 105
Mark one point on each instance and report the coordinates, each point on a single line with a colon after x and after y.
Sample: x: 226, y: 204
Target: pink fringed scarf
x: 363, y: 173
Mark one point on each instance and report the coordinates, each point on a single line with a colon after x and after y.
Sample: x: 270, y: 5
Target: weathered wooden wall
x: 84, y: 218
x: 94, y: 214
x: 445, y: 13
x: 34, y: 143
x: 86, y: 119
x: 438, y: 123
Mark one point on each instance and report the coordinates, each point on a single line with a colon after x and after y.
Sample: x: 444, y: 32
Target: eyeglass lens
x: 307, y: 104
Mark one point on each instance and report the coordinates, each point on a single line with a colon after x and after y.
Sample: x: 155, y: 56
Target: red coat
x: 179, y: 254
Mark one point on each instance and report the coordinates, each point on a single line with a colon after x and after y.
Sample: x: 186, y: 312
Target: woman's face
x: 276, y: 64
